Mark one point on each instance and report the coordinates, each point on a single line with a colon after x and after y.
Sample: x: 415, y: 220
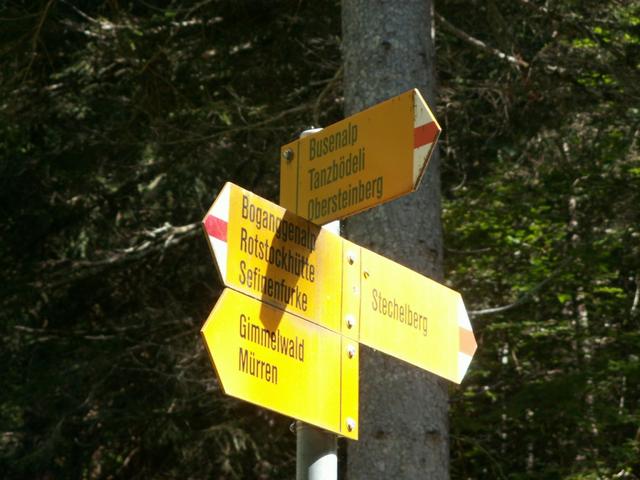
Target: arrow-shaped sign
x: 283, y: 260
x: 362, y: 161
x: 281, y: 362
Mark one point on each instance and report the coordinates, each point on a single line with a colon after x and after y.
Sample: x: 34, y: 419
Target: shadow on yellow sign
x: 284, y: 363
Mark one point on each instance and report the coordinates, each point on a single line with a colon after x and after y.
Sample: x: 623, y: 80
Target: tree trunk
x: 388, y: 49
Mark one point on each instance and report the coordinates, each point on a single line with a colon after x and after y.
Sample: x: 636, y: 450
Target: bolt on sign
x: 362, y: 161
x: 285, y: 261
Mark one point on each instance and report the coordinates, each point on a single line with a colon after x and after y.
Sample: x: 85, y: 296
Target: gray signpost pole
x: 316, y: 453
x: 316, y: 449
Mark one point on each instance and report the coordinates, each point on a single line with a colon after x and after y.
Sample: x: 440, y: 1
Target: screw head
x: 350, y: 321
x: 351, y: 424
x: 288, y: 154
x: 351, y: 351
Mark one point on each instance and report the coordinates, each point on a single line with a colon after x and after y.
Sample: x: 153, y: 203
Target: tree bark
x: 388, y: 49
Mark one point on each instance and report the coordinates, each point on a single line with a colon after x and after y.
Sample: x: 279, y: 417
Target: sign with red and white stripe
x: 287, y: 262
x: 362, y: 161
x: 274, y: 256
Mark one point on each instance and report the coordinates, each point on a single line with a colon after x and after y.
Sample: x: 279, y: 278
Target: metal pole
x: 316, y: 449
x: 316, y: 453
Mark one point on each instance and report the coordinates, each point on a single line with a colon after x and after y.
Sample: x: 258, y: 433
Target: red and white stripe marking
x: 215, y: 224
x: 425, y: 135
x: 467, y: 342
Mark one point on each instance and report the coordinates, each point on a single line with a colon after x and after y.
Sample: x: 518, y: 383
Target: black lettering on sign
x: 320, y: 144
x: 248, y: 363
x: 271, y: 339
x: 402, y: 312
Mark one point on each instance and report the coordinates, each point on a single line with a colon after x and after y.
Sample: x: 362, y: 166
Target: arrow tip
x: 215, y: 226
x: 467, y: 341
x: 425, y: 135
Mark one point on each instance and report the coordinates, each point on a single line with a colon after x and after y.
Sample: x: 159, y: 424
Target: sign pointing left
x: 284, y: 363
x: 275, y: 256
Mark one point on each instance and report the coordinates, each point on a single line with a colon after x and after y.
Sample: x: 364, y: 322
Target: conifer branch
x: 479, y: 43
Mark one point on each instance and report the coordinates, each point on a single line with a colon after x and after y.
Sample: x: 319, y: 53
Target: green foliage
x: 541, y: 218
x: 119, y: 123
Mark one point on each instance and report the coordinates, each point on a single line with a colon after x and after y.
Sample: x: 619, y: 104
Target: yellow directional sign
x: 281, y: 362
x: 275, y: 256
x: 283, y: 260
x: 414, y: 318
x: 364, y: 160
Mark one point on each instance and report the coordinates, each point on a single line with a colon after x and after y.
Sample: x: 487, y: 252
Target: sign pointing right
x: 411, y: 317
x: 362, y: 161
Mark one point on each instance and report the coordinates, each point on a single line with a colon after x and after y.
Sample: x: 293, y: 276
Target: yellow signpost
x: 278, y: 361
x: 362, y: 161
x: 283, y: 260
x: 285, y: 334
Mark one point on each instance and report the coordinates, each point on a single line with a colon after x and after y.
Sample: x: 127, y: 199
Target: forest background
x: 119, y: 123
